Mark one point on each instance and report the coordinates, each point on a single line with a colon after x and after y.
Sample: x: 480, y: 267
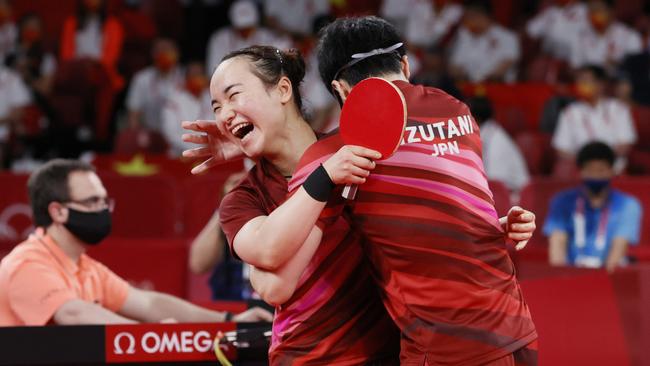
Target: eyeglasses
x: 95, y: 203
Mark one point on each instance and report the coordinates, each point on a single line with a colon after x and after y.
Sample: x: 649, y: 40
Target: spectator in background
x: 151, y: 87
x: 593, y: 224
x: 31, y: 59
x: 429, y: 21
x: 604, y: 41
x: 36, y: 67
x: 434, y: 72
x: 49, y: 278
x: 294, y: 17
x: 636, y: 68
x: 189, y: 102
x: 397, y: 12
x: 483, y: 50
x: 594, y: 118
x: 321, y: 109
x: 209, y: 252
x: 8, y: 30
x: 245, y: 31
x: 501, y: 157
x: 93, y: 34
x: 557, y: 25
x: 554, y: 106
x: 14, y: 96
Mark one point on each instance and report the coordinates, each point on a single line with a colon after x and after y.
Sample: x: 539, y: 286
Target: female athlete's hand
x: 351, y: 164
x: 519, y: 226
x: 215, y: 147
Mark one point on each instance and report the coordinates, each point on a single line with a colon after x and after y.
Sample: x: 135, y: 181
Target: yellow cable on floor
x: 221, y: 357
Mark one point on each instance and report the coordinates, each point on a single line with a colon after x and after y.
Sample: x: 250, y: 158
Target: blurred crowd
x: 122, y: 74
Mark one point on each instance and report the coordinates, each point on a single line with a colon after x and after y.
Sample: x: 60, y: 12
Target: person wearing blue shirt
x: 593, y: 224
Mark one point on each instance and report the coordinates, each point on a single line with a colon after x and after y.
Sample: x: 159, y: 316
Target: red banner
x: 165, y: 342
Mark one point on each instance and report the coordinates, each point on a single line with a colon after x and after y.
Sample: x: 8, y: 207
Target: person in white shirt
x: 483, y: 50
x: 151, y: 86
x: 294, y: 16
x: 604, y: 41
x: 594, y: 118
x: 245, y: 31
x: 429, y: 21
x: 14, y: 96
x: 501, y: 156
x: 319, y: 106
x: 8, y: 30
x: 557, y: 25
x: 187, y: 103
x: 397, y: 12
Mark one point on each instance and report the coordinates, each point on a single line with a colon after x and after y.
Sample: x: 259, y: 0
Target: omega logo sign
x: 167, y: 342
x: 7, y: 232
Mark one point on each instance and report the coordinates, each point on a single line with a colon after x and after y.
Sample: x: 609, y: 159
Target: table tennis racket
x: 373, y: 116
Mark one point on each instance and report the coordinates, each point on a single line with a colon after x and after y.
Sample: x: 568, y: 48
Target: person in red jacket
x: 94, y: 35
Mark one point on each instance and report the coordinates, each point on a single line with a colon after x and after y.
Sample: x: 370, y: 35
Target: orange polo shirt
x: 37, y: 277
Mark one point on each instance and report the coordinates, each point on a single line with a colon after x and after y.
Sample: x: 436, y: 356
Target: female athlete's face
x: 247, y: 112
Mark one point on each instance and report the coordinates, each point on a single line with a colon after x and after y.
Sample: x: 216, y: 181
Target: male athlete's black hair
x: 348, y: 36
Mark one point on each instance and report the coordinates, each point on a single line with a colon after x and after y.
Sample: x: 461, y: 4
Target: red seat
x: 151, y: 264
x: 146, y: 207
x: 536, y: 149
x: 642, y: 122
x: 639, y: 188
x: 15, y: 212
x: 638, y: 162
x: 133, y: 141
x: 501, y: 196
x: 536, y: 197
x: 516, y: 106
x: 202, y: 195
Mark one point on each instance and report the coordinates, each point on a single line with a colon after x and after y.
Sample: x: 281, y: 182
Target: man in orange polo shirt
x: 48, y: 279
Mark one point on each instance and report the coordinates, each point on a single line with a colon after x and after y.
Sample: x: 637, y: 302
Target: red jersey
x: 434, y: 240
x: 335, y: 316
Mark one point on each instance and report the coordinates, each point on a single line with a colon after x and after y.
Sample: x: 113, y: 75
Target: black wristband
x: 319, y: 185
x: 227, y: 317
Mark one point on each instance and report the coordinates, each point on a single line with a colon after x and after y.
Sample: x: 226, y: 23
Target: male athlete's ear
x: 342, y: 88
x: 285, y: 90
x: 58, y: 212
x: 405, y: 66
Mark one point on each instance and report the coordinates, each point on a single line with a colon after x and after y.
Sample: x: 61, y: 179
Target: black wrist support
x: 319, y: 185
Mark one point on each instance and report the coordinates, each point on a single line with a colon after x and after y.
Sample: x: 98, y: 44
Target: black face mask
x: 89, y: 227
x: 596, y: 186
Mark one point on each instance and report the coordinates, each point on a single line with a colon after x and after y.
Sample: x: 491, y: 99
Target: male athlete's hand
x: 519, y: 226
x: 351, y: 164
x: 215, y: 147
x: 255, y: 314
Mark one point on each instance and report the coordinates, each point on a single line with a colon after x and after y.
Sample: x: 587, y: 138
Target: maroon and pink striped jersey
x: 433, y: 238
